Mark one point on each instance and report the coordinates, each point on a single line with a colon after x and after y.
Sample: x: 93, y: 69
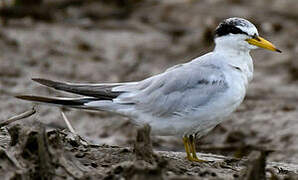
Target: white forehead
x: 244, y: 25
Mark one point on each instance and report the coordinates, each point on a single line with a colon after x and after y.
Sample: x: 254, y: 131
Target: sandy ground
x: 96, y: 43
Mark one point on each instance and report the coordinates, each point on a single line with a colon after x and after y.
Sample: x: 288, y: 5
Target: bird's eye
x: 255, y: 36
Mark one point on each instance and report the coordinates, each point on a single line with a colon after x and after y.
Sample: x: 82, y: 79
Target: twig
x: 76, y: 135
x: 68, y: 123
x: 19, y: 117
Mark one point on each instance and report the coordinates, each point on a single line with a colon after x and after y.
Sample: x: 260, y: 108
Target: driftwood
x: 35, y: 152
x: 143, y: 145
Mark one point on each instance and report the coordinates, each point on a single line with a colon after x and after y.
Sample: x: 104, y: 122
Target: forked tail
x: 57, y: 101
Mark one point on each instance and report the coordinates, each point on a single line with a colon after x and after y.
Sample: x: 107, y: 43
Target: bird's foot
x: 190, y: 149
x: 195, y: 159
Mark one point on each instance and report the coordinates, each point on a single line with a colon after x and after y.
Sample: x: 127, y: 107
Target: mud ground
x: 113, y: 42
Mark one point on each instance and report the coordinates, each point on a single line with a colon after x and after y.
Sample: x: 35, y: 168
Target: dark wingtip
x: 45, y: 82
x: 25, y: 97
x: 40, y: 80
x: 21, y: 96
x: 36, y: 79
x: 36, y: 98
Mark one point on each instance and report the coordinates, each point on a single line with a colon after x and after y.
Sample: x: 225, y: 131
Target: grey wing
x: 178, y: 90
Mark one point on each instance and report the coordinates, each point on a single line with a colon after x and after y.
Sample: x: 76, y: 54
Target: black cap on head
x: 230, y: 26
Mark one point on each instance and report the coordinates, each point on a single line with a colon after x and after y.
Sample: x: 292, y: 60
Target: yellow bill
x: 262, y: 43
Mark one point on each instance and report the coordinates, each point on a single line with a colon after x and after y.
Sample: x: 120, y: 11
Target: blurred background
x: 96, y: 41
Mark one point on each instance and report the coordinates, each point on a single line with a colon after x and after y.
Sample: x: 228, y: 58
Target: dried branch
x: 68, y: 123
x: 143, y: 146
x: 19, y: 117
x: 76, y: 136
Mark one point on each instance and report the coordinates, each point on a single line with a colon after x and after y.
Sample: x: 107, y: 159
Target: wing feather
x: 101, y: 91
x: 178, y: 90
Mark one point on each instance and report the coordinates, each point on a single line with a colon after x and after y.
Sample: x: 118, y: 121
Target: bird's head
x: 240, y: 35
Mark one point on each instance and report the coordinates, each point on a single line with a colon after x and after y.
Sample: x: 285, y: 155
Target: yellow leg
x: 186, y: 146
x: 190, y: 149
x: 193, y: 150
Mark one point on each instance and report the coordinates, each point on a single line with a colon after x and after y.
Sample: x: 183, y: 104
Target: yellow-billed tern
x: 187, y: 100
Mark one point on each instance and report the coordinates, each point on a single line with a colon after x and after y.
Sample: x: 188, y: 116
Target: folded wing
x: 174, y: 92
x: 178, y: 91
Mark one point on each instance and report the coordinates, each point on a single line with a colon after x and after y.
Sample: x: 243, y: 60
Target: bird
x: 187, y: 100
